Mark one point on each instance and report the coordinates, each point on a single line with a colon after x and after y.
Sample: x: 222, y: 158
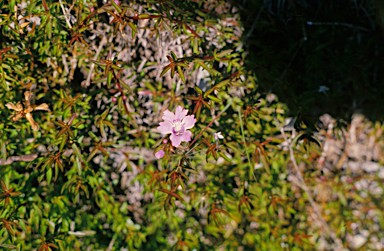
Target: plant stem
x: 245, y: 144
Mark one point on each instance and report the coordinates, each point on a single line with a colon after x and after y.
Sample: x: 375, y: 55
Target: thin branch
x: 251, y: 30
x: 299, y: 181
x: 66, y: 68
x: 110, y: 246
x: 245, y: 145
x: 28, y: 157
x: 338, y: 24
x: 24, y: 158
x: 103, y: 41
x: 65, y: 15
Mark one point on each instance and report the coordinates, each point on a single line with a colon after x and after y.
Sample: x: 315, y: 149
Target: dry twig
x: 298, y: 179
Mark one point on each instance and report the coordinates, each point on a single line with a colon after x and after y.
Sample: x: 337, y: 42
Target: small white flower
x: 323, y: 89
x: 258, y: 166
x: 217, y: 136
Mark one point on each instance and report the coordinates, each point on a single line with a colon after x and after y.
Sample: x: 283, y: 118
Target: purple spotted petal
x: 189, y: 122
x: 159, y: 154
x: 168, y: 116
x: 180, y: 113
x: 165, y: 127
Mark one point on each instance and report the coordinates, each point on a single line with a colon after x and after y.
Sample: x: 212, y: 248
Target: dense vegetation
x: 158, y: 125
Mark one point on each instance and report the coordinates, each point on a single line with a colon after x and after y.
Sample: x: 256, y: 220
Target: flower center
x: 178, y: 127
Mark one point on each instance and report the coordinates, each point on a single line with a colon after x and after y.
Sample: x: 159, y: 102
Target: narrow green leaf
x: 104, y: 114
x: 208, y: 92
x: 191, y: 170
x: 133, y: 27
x: 94, y: 136
x: 77, y: 151
x: 144, y: 16
x: 49, y: 29
x: 205, y: 103
x: 173, y: 55
x: 7, y: 246
x: 224, y: 53
x: 78, y: 165
x: 166, y: 26
x: 125, y: 86
x: 49, y: 175
x: 116, y: 6
x: 109, y: 79
x: 63, y: 142
x: 181, y: 74
x: 165, y: 70
x: 92, y: 154
x: 102, y: 131
x: 98, y: 63
x: 223, y: 83
x: 225, y: 157
x: 3, y: 150
x: 213, y: 98
x: 198, y: 90
x: 182, y: 64
x: 196, y: 45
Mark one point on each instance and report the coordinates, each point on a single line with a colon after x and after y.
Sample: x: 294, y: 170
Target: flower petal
x: 43, y: 107
x: 186, y: 136
x: 168, y: 116
x: 17, y: 107
x: 30, y: 119
x: 176, y: 140
x: 159, y: 154
x: 189, y: 121
x: 165, y: 127
x: 28, y: 97
x: 180, y: 113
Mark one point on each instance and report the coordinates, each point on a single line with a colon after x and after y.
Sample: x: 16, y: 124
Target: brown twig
x: 28, y: 157
x: 103, y: 41
x: 300, y: 182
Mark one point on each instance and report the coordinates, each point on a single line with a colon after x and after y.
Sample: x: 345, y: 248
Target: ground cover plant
x: 138, y: 126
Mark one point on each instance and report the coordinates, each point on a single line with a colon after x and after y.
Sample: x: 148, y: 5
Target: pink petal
x: 186, y: 136
x: 176, y: 140
x: 168, y: 116
x: 189, y: 122
x: 159, y: 154
x: 180, y: 113
x: 165, y: 127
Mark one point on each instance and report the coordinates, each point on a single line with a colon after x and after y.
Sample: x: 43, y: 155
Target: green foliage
x: 83, y: 88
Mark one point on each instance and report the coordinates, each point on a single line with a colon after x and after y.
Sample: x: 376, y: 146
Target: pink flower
x: 117, y: 2
x: 159, y: 154
x: 178, y: 124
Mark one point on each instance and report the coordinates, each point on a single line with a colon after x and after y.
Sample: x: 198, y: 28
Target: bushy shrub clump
x: 135, y: 126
